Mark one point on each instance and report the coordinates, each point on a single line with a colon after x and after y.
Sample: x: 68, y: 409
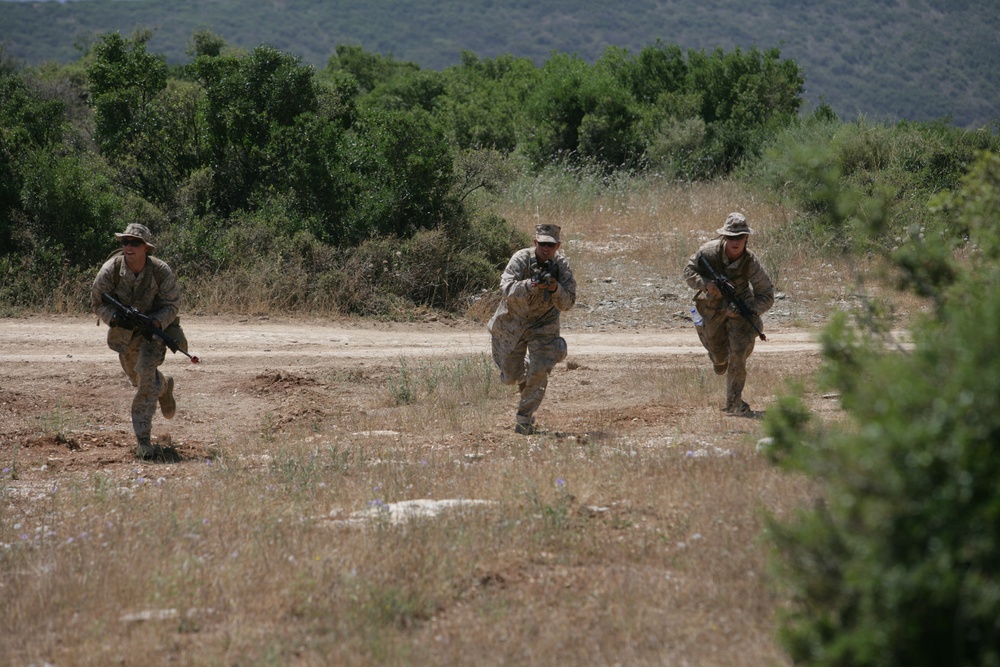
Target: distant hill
x: 884, y: 59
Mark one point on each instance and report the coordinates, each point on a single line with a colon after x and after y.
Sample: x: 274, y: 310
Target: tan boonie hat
x: 137, y: 231
x: 547, y: 233
x: 736, y: 225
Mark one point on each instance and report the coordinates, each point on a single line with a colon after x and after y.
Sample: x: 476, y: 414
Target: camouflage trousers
x: 729, y: 340
x: 527, y: 361
x: 140, y: 361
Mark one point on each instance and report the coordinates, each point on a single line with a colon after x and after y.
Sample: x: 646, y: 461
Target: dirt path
x: 60, y: 340
x: 64, y: 401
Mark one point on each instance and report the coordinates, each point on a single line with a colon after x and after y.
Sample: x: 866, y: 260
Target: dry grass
x: 628, y: 548
x: 632, y: 533
x: 657, y: 225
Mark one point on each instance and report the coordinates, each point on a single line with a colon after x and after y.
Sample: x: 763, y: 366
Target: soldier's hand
x: 121, y: 322
x: 713, y: 289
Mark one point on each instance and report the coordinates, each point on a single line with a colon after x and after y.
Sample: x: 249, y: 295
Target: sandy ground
x: 64, y: 400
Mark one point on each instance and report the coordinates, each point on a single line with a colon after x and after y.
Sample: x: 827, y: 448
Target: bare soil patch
x: 648, y: 553
x: 64, y: 401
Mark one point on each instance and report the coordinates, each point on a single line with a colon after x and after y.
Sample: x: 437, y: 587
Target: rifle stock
x: 729, y: 294
x: 145, y: 324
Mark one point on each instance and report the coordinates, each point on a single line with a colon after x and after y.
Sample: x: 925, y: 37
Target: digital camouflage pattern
x: 727, y: 336
x: 525, y: 328
x: 154, y: 292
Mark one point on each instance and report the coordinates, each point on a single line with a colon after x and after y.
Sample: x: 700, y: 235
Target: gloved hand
x: 121, y: 323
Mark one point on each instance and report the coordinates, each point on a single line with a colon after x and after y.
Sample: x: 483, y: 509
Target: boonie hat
x: 547, y: 233
x: 736, y: 225
x: 136, y: 231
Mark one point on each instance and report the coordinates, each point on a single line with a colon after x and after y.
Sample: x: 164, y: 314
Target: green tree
x: 124, y: 81
x: 368, y: 69
x: 148, y: 125
x: 401, y: 173
x: 581, y: 112
x: 28, y: 125
x: 485, y: 103
x: 69, y: 206
x: 746, y: 97
x: 248, y: 101
x: 899, y: 561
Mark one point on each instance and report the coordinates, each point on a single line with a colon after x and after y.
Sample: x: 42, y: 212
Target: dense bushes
x: 897, y: 564
x: 897, y: 168
x: 372, y: 152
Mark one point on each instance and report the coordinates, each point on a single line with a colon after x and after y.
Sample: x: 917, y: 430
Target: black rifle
x: 542, y: 274
x: 729, y: 294
x: 133, y: 319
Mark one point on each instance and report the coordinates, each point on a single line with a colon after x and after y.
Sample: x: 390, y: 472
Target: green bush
x: 902, y: 165
x: 898, y: 563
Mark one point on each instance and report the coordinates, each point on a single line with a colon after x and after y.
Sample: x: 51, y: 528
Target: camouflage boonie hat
x: 736, y: 225
x: 137, y: 231
x: 547, y: 233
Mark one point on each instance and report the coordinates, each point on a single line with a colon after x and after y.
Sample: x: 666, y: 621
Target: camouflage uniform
x: 728, y: 337
x: 526, y: 323
x: 154, y: 292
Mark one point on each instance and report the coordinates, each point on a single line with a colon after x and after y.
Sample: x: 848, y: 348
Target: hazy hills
x: 885, y: 59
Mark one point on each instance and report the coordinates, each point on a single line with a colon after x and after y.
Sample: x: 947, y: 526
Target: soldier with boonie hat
x: 726, y: 334
x: 135, y: 278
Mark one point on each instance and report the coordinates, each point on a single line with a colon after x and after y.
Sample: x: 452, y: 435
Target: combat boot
x: 525, y: 427
x: 739, y: 408
x: 145, y: 449
x: 168, y: 406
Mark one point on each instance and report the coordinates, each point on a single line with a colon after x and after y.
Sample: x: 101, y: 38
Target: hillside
x: 901, y: 59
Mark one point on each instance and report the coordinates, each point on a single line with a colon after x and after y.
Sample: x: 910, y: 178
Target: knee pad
x: 561, y: 348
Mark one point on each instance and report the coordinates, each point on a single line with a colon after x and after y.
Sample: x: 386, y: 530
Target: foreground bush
x: 899, y: 561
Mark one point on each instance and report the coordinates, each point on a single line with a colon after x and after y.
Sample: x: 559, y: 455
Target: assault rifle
x: 541, y: 274
x: 129, y: 317
x: 729, y: 294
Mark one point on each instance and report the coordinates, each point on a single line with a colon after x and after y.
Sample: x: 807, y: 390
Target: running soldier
x: 726, y: 334
x: 535, y: 287
x: 135, y: 278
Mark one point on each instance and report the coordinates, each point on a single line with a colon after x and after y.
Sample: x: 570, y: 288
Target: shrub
x: 899, y: 561
x: 902, y: 165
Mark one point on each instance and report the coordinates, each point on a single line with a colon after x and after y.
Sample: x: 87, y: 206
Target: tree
x: 581, y: 112
x: 247, y: 102
x: 124, y: 81
x: 899, y: 561
x: 28, y: 125
x: 401, y: 170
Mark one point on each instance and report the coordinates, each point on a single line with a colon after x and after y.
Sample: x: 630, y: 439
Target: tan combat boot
x: 168, y: 406
x: 145, y: 450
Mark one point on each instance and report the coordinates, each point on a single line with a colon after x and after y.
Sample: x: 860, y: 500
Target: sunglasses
x: 546, y: 244
x: 135, y: 243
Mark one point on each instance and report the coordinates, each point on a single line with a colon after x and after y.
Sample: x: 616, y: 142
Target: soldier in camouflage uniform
x: 136, y: 278
x: 535, y: 287
x: 728, y: 336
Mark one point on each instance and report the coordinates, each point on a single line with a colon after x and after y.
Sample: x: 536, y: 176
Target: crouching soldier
x: 727, y: 335
x: 535, y: 287
x: 135, y: 278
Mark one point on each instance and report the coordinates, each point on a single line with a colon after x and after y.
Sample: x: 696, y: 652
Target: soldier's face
x: 735, y: 245
x: 134, y: 249
x: 545, y: 251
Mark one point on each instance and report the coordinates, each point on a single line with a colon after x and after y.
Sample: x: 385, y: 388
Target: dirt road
x: 62, y: 340
x: 64, y: 401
